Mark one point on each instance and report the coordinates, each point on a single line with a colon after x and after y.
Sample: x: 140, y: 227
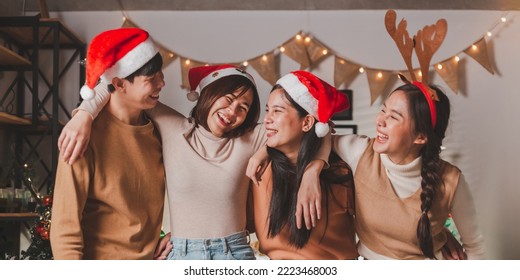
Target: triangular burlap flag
x: 480, y: 54
x: 265, y: 66
x: 344, y: 72
x: 186, y: 65
x: 317, y: 51
x: 449, y: 72
x: 168, y: 56
x: 417, y: 73
x: 296, y: 49
x: 378, y: 81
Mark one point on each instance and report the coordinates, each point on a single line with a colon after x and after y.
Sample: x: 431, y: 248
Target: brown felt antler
x: 402, y: 39
x: 426, y: 42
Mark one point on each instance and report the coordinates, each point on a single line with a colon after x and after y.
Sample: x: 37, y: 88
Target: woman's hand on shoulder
x: 308, y: 205
x: 75, y: 136
x: 257, y: 165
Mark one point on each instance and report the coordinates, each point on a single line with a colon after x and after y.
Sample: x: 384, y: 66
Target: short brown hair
x: 222, y: 87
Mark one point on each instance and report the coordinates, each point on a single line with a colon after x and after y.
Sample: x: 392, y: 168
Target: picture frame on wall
x: 347, y: 114
x: 345, y: 129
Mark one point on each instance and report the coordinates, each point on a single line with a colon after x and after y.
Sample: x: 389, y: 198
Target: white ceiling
x: 19, y: 7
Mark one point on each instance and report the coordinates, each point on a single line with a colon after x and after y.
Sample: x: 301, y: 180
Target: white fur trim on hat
x: 132, y: 61
x: 217, y: 74
x: 299, y: 93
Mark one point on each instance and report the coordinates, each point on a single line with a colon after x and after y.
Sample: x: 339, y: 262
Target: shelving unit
x: 40, y: 52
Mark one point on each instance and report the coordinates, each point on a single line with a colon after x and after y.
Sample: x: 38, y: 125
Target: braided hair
x: 430, y: 153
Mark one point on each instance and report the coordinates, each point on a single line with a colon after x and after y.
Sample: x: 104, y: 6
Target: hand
x: 257, y: 165
x: 164, y: 246
x: 452, y: 250
x: 308, y: 205
x: 75, y: 136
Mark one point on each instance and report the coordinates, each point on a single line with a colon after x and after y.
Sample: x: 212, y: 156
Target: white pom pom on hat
x: 200, y: 77
x: 317, y: 97
x: 86, y: 92
x: 116, y: 53
x: 192, y: 96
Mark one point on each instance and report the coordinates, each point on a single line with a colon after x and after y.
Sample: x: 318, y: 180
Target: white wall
x: 488, y: 106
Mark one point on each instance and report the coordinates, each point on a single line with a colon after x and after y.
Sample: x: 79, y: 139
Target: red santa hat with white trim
x: 116, y: 53
x: 317, y: 97
x: 201, y: 77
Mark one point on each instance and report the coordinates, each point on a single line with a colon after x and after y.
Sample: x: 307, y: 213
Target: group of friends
x: 305, y: 192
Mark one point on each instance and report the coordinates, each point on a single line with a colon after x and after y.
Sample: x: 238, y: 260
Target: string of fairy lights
x: 307, y: 43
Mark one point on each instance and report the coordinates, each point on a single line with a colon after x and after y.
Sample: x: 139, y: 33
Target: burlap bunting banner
x: 344, y: 72
x: 378, y: 82
x: 265, y: 66
x: 297, y: 50
x: 478, y: 51
x: 449, y: 72
x: 309, y: 52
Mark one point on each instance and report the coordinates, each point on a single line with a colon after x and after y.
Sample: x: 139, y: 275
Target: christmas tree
x: 40, y: 248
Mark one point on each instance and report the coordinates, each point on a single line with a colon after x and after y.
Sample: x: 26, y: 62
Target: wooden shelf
x: 18, y: 216
x: 23, y: 34
x: 12, y: 119
x: 8, y: 57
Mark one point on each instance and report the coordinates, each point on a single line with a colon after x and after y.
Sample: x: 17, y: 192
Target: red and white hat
x: 116, y: 53
x: 317, y: 97
x: 204, y: 75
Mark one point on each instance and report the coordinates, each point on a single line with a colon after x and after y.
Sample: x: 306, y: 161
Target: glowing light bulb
x: 342, y: 61
x: 419, y: 73
x: 264, y: 57
x: 489, y: 33
x: 307, y: 39
x: 171, y: 55
x: 361, y: 70
x: 298, y: 37
x: 439, y: 66
x: 379, y: 75
x: 245, y: 63
x: 187, y: 62
x: 325, y: 52
x: 474, y: 47
x: 457, y: 58
x: 282, y: 49
x: 503, y: 19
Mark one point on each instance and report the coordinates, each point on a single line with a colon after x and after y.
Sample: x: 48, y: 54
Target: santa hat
x: 204, y: 75
x: 317, y: 97
x: 116, y: 53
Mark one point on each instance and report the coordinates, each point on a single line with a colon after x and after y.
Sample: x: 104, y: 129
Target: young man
x: 109, y: 203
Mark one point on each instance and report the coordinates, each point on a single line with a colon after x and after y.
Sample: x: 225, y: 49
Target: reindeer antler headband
x: 426, y: 42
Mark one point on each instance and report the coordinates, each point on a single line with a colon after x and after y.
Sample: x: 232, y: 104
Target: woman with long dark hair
x: 297, y: 115
x: 404, y: 190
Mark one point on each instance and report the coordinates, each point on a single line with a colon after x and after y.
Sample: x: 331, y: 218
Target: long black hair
x: 287, y: 179
x: 430, y: 153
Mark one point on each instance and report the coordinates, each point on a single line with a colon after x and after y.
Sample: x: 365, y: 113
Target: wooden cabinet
x: 36, y: 56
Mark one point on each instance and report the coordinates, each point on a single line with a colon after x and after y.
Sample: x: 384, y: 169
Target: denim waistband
x: 224, y: 242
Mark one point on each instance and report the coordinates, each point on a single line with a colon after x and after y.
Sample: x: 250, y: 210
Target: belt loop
x: 184, y: 247
x: 224, y: 245
x: 248, y: 237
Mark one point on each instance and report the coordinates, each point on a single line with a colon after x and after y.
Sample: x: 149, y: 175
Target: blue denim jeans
x: 232, y: 247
